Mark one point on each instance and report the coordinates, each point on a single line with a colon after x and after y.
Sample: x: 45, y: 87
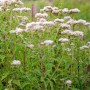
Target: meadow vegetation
x: 45, y: 50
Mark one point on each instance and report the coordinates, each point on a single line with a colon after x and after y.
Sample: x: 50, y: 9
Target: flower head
x: 63, y: 40
x: 16, y: 63
x: 48, y: 42
x: 68, y: 82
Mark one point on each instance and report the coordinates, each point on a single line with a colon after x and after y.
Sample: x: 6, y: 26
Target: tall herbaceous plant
x: 48, y: 53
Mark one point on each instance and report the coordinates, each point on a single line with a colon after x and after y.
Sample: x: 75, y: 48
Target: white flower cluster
x: 66, y: 18
x: 85, y: 47
x: 42, y: 20
x: 63, y: 40
x: 16, y: 63
x: 56, y: 10
x: 65, y: 26
x: 59, y: 20
x: 47, y: 9
x: 73, y: 33
x: 48, y: 23
x: 48, y: 42
x: 16, y: 31
x: 88, y: 43
x: 34, y: 26
x: 78, y: 22
x: 66, y: 10
x: 41, y: 15
x: 5, y: 4
x: 10, y: 2
x: 68, y: 82
x: 69, y: 23
x: 39, y: 25
x: 24, y: 9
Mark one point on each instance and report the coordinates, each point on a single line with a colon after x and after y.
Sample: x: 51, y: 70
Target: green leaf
x: 2, y: 57
x: 37, y: 72
x: 5, y: 75
x: 51, y: 85
x: 25, y: 84
x: 0, y: 86
x: 17, y: 82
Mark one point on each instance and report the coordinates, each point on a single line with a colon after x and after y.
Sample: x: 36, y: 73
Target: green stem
x: 24, y: 60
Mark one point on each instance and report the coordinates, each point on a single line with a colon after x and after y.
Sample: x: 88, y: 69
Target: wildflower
x: 48, y: 8
x: 18, y: 30
x: 55, y: 11
x: 5, y: 2
x: 84, y: 47
x: 80, y: 21
x: 65, y: 10
x: 88, y: 43
x: 42, y: 20
x: 40, y: 15
x: 67, y: 32
x: 68, y: 82
x: 29, y: 25
x: 55, y: 8
x: 75, y: 10
x: 30, y: 46
x: 58, y: 20
x: 70, y: 22
x: 65, y: 26
x: 24, y: 9
x: 48, y: 23
x: 42, y: 43
x: 63, y: 40
x: 67, y: 18
x: 48, y: 42
x: 38, y: 27
x: 87, y: 24
x: 78, y: 33
x: 16, y: 63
